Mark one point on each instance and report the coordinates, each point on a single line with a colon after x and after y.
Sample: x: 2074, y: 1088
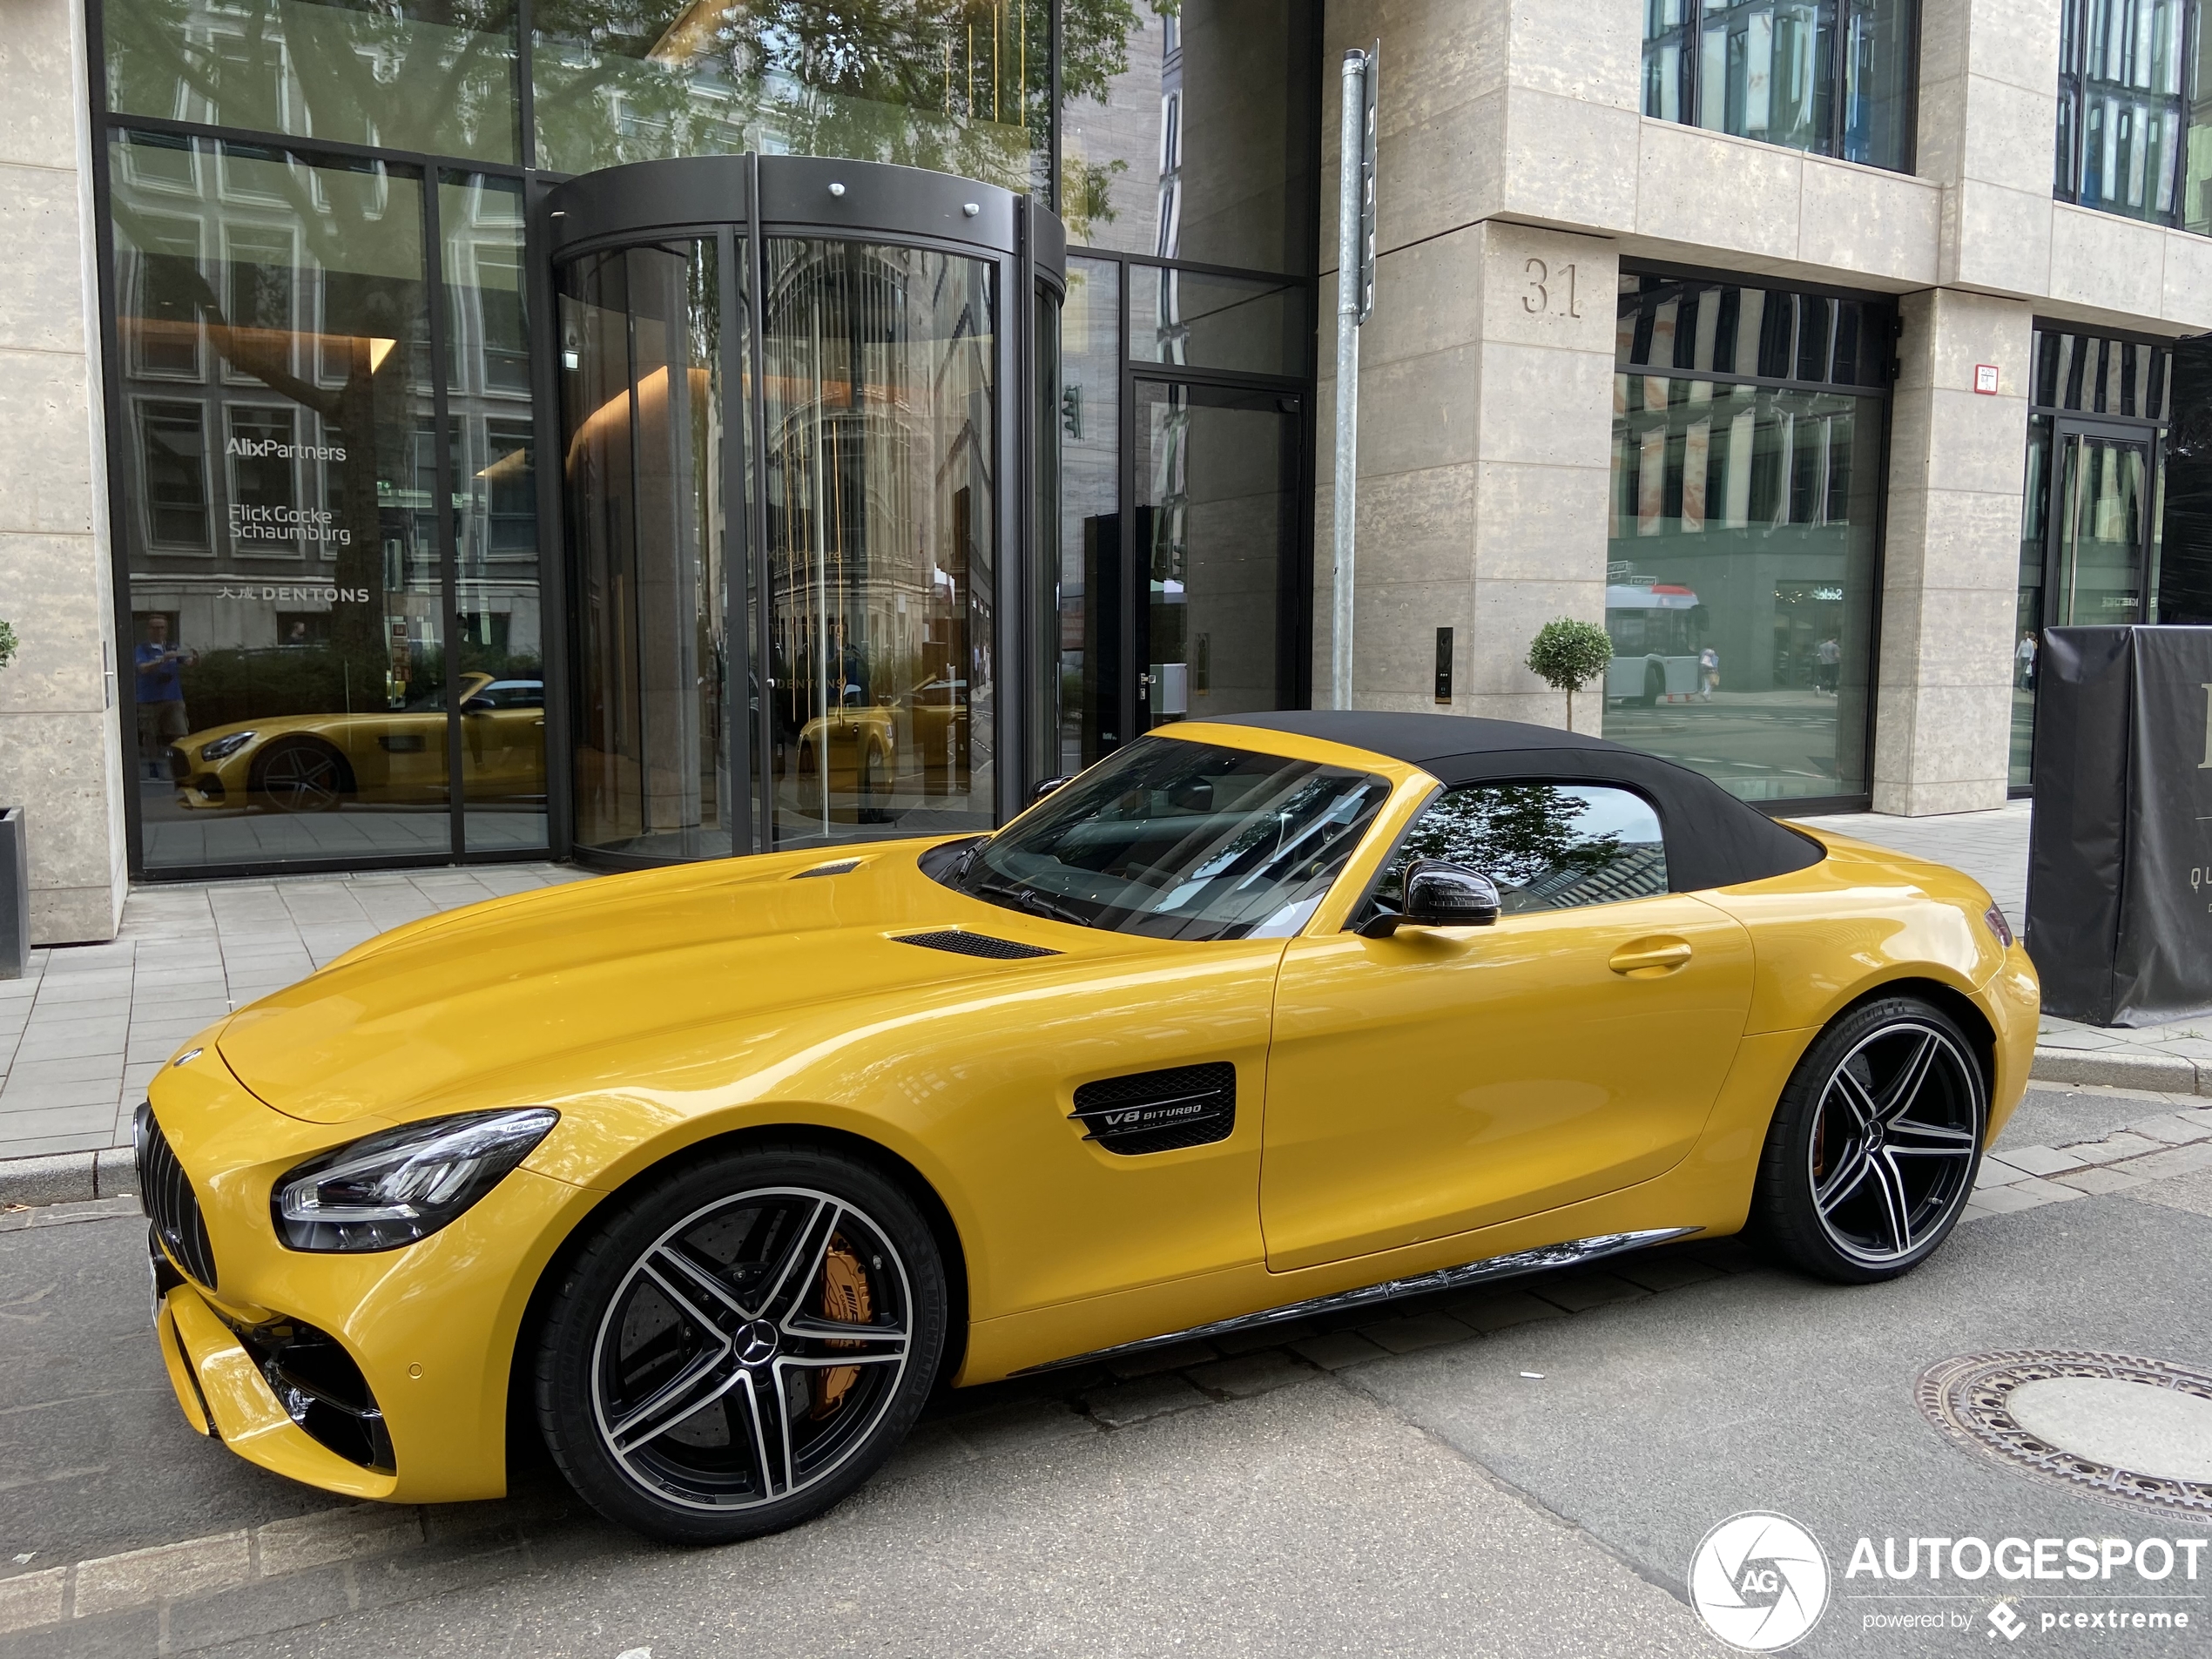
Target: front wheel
x: 1872, y: 1151
x: 302, y: 775
x: 741, y: 1344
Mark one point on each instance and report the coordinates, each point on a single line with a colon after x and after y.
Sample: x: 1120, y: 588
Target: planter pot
x: 14, y: 895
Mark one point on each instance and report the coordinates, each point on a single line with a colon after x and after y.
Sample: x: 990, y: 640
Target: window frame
x: 1883, y: 389
x: 1363, y: 909
x: 1687, y: 36
x: 2070, y: 141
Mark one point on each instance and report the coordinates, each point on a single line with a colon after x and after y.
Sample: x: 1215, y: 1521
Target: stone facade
x: 1510, y: 135
x: 61, y: 740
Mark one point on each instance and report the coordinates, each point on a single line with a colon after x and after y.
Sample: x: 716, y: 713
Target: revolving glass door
x: 796, y: 592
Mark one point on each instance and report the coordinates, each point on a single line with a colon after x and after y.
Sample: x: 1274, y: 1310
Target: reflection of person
x: 298, y: 634
x: 851, y: 671
x: 1827, y: 656
x: 1709, y: 673
x: 161, y: 694
x: 2024, y: 661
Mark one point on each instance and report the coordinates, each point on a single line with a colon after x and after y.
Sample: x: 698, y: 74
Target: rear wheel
x: 741, y: 1344
x: 1872, y: 1151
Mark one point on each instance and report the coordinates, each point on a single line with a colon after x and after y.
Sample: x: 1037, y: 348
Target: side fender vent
x: 961, y: 943
x: 1159, y: 1111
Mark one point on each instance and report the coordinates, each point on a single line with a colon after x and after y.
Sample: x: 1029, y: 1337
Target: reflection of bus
x: 1656, y: 642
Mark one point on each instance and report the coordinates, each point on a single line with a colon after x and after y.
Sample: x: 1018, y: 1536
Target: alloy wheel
x: 1894, y: 1139
x: 750, y: 1350
x: 297, y: 778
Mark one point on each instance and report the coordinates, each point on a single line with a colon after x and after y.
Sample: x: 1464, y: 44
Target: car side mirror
x: 1046, y: 787
x: 1440, y: 895
x: 476, y: 705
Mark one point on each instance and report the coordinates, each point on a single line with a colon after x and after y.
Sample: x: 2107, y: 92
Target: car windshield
x: 1181, y: 840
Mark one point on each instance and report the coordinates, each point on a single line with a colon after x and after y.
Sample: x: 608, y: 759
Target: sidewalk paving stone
x: 2098, y: 1180
x: 84, y: 1032
x: 2041, y: 1160
x: 2113, y: 1147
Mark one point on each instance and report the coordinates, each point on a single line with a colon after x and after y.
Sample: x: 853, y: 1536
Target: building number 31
x: 1542, y: 282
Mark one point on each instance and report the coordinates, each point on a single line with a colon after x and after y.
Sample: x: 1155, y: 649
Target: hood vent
x: 839, y: 868
x: 968, y: 944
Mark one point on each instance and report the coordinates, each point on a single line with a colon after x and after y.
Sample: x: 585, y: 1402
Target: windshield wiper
x: 1028, y: 899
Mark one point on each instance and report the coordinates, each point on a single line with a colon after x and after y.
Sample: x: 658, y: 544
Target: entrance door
x: 1193, y: 615
x: 797, y: 449
x: 2089, y: 554
x: 881, y: 389
x: 2098, y: 567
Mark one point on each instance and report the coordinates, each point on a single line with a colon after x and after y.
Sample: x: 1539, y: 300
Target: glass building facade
x: 1833, y: 77
x: 1749, y: 426
x: 2135, y: 128
x: 356, y: 409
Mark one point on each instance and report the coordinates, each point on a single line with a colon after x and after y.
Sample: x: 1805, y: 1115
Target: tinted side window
x: 1549, y: 846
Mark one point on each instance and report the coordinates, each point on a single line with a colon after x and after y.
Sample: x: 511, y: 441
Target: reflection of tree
x: 432, y: 74
x: 1511, y: 833
x: 371, y: 323
x: 936, y: 83
x: 945, y: 85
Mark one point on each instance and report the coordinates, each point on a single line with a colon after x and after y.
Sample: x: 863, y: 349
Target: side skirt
x: 1570, y: 1254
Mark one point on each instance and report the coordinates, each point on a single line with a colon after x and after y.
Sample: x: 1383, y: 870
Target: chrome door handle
x: 1650, y: 958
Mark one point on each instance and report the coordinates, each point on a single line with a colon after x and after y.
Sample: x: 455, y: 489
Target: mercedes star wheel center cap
x: 756, y: 1344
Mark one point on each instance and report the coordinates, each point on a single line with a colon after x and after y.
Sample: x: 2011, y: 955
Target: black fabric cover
x: 1713, y: 839
x: 2119, y: 856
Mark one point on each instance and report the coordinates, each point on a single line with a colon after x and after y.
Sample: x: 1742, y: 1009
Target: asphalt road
x: 1405, y: 1488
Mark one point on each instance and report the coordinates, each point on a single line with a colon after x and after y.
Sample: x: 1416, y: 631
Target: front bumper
x: 429, y: 1329
x: 2011, y: 998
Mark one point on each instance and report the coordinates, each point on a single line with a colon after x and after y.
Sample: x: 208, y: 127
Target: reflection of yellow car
x: 857, y: 747
x: 712, y: 1172
x: 313, y: 763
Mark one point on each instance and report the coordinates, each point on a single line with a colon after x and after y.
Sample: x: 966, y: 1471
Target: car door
x: 1444, y: 1079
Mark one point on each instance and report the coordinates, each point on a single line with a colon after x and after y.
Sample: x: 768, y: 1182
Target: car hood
x: 574, y: 982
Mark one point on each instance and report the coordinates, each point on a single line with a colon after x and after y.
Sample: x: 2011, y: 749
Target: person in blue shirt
x: 161, y: 694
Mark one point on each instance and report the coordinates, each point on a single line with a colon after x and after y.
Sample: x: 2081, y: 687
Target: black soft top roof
x: 1713, y: 839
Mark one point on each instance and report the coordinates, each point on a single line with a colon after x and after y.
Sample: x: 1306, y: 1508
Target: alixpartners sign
x: 1762, y: 1583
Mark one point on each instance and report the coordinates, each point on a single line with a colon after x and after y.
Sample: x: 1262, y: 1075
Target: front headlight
x: 224, y: 748
x: 402, y: 1184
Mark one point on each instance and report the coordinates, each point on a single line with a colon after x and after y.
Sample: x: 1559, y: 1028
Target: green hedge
x: 224, y: 687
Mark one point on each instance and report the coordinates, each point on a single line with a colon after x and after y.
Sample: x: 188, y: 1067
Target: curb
x: 68, y: 1178
x: 71, y: 1177
x: 2164, y: 1073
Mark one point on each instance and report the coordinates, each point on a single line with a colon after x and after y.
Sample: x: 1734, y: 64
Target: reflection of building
x: 1632, y: 870
x: 1714, y: 311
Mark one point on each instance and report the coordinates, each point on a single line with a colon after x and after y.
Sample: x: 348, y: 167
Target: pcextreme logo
x: 1760, y: 1581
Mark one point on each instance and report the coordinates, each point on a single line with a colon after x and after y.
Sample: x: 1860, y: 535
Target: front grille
x: 165, y: 1195
x: 180, y: 764
x: 1159, y: 1111
x: 967, y: 944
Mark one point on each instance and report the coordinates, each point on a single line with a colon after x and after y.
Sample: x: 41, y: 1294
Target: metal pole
x: 1351, y: 158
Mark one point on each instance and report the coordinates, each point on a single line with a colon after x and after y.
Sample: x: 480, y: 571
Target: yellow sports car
x: 315, y: 763
x: 709, y: 1174
x: 856, y: 749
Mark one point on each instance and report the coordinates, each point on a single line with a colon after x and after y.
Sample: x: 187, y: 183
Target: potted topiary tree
x: 1567, y: 655
x: 15, y: 869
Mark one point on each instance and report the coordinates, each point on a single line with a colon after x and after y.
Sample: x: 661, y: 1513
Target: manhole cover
x: 2137, y: 1432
